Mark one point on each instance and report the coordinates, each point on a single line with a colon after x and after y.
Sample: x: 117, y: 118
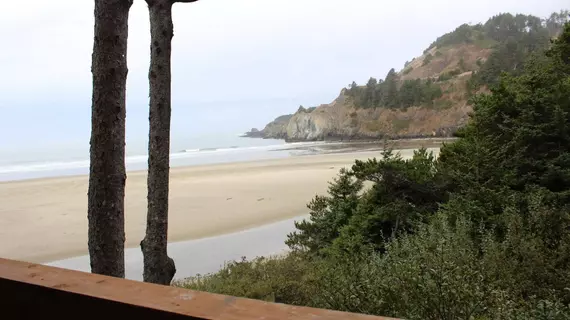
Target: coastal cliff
x: 276, y: 129
x: 342, y: 120
x: 430, y: 96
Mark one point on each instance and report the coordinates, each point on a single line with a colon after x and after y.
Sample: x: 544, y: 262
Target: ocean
x: 199, y: 151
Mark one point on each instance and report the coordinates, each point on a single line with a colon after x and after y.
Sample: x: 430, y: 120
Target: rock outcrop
x: 343, y: 120
x: 340, y: 120
x: 253, y: 133
x: 277, y: 129
x: 429, y: 97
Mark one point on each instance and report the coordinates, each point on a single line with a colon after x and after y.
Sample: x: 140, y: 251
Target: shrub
x: 288, y: 279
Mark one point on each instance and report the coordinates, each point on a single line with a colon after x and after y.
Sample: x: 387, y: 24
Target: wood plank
x: 32, y: 289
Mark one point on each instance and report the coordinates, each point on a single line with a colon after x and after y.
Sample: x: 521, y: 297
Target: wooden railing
x: 33, y: 291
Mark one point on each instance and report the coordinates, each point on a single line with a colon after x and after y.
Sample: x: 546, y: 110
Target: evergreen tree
x: 390, y: 90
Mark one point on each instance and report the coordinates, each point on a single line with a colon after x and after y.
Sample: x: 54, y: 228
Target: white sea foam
x: 135, y: 162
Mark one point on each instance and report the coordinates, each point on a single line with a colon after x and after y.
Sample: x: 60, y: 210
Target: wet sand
x: 207, y: 255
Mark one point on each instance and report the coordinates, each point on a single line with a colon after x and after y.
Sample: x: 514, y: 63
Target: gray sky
x: 236, y: 63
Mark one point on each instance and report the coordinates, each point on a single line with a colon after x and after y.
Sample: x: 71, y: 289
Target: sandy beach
x: 45, y: 220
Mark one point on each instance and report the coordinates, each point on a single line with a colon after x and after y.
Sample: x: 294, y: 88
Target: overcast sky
x: 236, y: 63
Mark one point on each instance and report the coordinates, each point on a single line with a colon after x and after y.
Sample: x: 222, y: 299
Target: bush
x: 435, y: 274
x: 288, y: 279
x: 537, y: 248
x: 445, y: 271
x: 444, y: 77
x: 448, y: 75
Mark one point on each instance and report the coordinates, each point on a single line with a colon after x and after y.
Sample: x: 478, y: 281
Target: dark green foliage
x: 481, y: 232
x: 389, y: 90
x: 509, y: 57
x: 440, y: 272
x: 387, y: 94
x: 444, y: 77
x: 517, y: 38
x: 479, y: 62
x: 403, y: 194
x: 417, y: 92
x: 513, y: 38
x: 537, y: 244
x: 462, y: 34
x: 438, y: 269
x: 525, y: 120
x: 448, y: 75
x: 327, y: 216
x: 411, y: 93
x: 504, y: 27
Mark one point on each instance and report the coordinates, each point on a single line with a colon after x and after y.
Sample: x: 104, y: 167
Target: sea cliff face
x: 276, y: 129
x: 430, y: 96
x: 450, y: 69
x: 340, y: 120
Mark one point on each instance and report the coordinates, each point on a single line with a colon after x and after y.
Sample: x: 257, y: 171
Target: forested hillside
x: 481, y: 232
x: 431, y: 95
x: 480, y: 52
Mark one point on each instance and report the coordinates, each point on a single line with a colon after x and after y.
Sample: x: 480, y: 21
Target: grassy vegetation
x: 442, y: 104
x: 400, y: 124
x: 485, y: 43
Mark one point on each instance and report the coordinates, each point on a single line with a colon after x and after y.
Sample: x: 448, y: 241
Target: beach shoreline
x: 45, y: 219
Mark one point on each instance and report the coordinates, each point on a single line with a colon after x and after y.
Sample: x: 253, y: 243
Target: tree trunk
x: 158, y: 267
x: 107, y: 153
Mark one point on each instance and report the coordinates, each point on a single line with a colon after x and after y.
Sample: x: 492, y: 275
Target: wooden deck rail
x: 33, y: 291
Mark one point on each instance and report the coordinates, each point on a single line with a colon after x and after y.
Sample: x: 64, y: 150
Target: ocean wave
x: 44, y: 166
x: 130, y: 160
x: 234, y: 148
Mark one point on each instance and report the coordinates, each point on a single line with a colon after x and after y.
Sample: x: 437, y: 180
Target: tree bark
x: 107, y: 152
x: 158, y: 267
